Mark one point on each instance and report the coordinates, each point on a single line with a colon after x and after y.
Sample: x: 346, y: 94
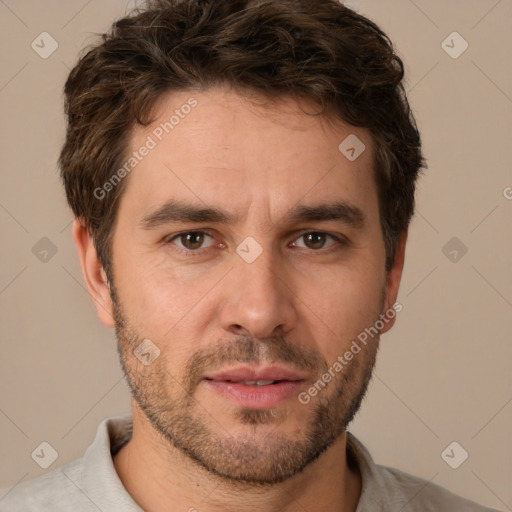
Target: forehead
x: 217, y: 146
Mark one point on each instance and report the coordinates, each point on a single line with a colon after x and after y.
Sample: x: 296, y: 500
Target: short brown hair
x: 315, y: 50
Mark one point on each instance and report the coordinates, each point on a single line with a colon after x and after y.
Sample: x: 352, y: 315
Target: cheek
x: 162, y: 300
x: 144, y: 296
x: 347, y: 303
x: 156, y: 309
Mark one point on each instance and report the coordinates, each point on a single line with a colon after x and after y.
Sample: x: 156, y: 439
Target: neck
x: 156, y: 474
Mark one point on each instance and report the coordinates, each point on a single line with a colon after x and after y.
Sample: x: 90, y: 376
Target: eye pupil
x: 192, y: 240
x: 315, y: 240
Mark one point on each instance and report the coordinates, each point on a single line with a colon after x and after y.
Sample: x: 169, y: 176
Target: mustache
x: 246, y: 349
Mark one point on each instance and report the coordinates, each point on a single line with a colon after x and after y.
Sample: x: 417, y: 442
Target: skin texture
x: 299, y: 304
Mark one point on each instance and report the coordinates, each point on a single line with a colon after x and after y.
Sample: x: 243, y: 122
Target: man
x: 242, y: 175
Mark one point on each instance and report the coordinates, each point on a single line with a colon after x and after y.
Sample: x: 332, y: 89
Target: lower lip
x: 256, y: 397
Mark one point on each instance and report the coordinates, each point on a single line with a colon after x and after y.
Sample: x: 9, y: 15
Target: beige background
x: 444, y: 372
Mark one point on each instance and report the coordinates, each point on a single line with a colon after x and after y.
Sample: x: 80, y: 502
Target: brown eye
x: 315, y: 240
x: 192, y: 240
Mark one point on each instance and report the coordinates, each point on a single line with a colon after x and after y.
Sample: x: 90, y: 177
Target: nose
x: 258, y: 299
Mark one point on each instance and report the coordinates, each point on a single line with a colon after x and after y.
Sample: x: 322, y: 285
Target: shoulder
x: 56, y: 491
x: 89, y: 483
x: 420, y: 495
x: 389, y: 489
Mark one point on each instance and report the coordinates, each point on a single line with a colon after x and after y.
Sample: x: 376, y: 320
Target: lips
x: 256, y: 388
x: 252, y: 376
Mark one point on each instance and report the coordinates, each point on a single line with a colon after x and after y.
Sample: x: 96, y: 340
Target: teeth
x: 259, y: 382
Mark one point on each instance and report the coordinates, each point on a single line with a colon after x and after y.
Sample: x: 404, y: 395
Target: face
x: 247, y: 257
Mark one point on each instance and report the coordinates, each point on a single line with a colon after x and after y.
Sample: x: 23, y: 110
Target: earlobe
x: 393, y: 283
x: 94, y: 275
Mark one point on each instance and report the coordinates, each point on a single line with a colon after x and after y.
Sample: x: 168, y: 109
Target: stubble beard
x: 173, y: 411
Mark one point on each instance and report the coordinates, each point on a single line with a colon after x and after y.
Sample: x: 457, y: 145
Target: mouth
x: 256, y: 388
x: 254, y: 382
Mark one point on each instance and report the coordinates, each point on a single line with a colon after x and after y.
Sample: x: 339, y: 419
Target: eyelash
x: 341, y: 241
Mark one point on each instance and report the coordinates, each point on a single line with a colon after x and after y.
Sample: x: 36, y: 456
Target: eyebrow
x: 178, y: 211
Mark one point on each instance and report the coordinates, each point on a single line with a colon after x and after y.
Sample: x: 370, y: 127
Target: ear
x: 94, y: 275
x: 393, y: 283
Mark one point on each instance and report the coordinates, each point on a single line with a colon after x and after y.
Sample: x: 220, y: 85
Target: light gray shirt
x: 92, y: 484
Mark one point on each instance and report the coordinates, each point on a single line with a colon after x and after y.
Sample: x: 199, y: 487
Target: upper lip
x: 248, y: 373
